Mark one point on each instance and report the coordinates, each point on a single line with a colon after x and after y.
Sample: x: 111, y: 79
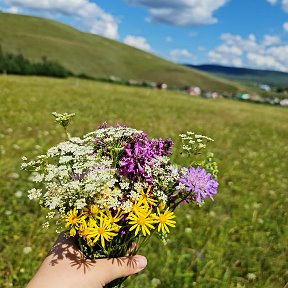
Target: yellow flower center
x: 162, y: 219
x: 101, y: 230
x: 141, y: 220
x: 73, y: 220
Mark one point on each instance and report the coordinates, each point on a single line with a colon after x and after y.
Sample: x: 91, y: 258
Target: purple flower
x: 200, y: 183
x: 139, y: 153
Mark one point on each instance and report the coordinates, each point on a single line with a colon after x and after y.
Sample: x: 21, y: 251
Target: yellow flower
x: 92, y: 210
x: 164, y: 220
x: 161, y: 205
x: 113, y: 219
x: 146, y: 197
x: 72, y: 232
x: 141, y: 206
x: 141, y: 221
x: 105, y: 231
x: 72, y: 218
x: 83, y: 229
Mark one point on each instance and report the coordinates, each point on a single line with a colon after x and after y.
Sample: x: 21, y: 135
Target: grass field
x: 239, y: 240
x: 97, y: 56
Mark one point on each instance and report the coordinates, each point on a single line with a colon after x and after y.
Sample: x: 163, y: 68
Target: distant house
x: 194, y: 90
x: 212, y: 95
x: 162, y: 86
x: 284, y: 102
x: 265, y: 87
x: 242, y: 96
x: 113, y: 78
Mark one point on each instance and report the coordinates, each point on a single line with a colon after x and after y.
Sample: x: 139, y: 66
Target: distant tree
x: 18, y: 64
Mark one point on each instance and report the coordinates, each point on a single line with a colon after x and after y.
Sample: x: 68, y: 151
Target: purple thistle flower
x: 200, y: 183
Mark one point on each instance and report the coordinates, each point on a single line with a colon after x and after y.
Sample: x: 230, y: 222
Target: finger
x: 123, y: 267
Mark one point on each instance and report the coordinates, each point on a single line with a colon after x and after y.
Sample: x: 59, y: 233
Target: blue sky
x: 241, y: 33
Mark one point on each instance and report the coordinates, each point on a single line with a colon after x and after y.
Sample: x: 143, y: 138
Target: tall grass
x: 239, y: 240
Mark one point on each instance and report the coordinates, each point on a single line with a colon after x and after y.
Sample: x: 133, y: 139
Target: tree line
x: 18, y: 64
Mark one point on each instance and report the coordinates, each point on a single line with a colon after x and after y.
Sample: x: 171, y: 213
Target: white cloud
x: 98, y: 21
x: 178, y: 54
x: 265, y: 61
x: 272, y: 2
x: 226, y: 49
x: 285, y: 26
x: 285, y: 5
x: 138, y: 42
x: 181, y: 12
x: 270, y: 40
x: 13, y: 10
x: 269, y: 53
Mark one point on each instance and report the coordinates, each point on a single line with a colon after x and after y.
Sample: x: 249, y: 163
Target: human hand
x: 66, y: 266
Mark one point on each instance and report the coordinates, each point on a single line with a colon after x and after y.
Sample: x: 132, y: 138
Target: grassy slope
x: 242, y: 234
x: 94, y: 55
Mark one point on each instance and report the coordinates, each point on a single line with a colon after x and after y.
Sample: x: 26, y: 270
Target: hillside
x: 246, y: 75
x: 94, y: 55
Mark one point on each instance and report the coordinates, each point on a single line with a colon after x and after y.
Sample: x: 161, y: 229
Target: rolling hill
x: 246, y: 75
x: 95, y: 55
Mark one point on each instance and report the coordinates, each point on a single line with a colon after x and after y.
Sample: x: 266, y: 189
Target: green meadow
x: 239, y: 240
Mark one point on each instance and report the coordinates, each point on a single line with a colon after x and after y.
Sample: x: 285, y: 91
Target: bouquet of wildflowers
x: 115, y: 186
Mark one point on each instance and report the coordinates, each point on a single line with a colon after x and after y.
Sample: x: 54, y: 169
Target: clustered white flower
x: 73, y: 174
x: 193, y: 143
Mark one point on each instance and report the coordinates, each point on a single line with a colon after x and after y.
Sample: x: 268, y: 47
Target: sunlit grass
x: 239, y: 240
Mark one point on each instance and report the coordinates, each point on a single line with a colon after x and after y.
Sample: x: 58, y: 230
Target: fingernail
x: 141, y: 261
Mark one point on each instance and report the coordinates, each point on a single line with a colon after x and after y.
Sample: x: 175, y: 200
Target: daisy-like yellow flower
x: 164, y: 220
x: 141, y: 206
x: 113, y: 219
x: 72, y: 218
x: 146, y: 197
x: 91, y: 211
x: 103, y: 230
x: 141, y: 221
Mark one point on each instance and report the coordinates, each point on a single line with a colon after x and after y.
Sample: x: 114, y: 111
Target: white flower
x: 80, y: 203
x: 45, y: 225
x: 251, y: 276
x: 18, y: 194
x: 155, y: 282
x: 127, y: 206
x: 37, y: 177
x: 188, y: 230
x: 53, y: 151
x: 124, y: 185
x: 64, y: 159
x: 34, y: 193
x: 50, y: 214
x: 134, y: 195
x: 53, y: 202
x: 27, y: 250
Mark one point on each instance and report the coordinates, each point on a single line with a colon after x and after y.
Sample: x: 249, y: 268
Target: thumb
x: 123, y: 267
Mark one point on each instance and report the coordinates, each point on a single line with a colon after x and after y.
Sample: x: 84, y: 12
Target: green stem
x: 67, y: 134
